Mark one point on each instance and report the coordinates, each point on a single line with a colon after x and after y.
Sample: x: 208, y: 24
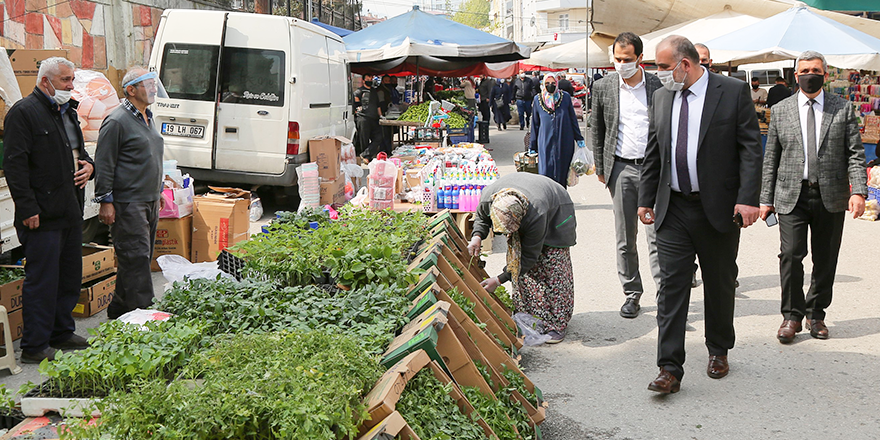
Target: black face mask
x: 811, y: 83
x: 706, y: 66
x: 755, y: 86
x: 551, y: 88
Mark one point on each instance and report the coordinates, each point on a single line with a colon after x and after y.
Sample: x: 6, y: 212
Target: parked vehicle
x: 246, y: 92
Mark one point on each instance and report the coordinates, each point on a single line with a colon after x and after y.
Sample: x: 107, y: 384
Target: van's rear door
x: 187, y: 57
x: 339, y: 91
x: 252, y: 118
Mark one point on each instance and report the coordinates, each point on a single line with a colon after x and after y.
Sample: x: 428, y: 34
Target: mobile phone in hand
x: 738, y: 219
x: 772, y: 220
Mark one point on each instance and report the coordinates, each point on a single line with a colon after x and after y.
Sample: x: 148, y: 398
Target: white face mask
x: 667, y: 77
x: 61, y: 96
x: 626, y: 70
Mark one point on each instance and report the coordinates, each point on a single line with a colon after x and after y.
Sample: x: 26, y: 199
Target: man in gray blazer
x: 700, y: 183
x: 619, y: 129
x: 814, y: 153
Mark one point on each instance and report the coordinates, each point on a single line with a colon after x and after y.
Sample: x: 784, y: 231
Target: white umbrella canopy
x: 698, y: 31
x: 785, y: 36
x: 571, y: 55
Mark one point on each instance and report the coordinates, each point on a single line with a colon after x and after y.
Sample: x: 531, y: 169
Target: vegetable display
x: 8, y: 275
x: 432, y: 413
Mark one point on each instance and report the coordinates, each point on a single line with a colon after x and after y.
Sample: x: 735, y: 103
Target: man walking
x: 701, y: 179
x: 485, y: 89
x: 814, y: 153
x: 522, y: 93
x: 47, y: 168
x: 129, y: 184
x: 619, y: 128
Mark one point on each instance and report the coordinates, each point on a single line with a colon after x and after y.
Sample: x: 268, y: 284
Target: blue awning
x: 336, y: 30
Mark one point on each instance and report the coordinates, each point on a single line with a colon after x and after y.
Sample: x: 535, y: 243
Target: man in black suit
x: 702, y: 174
x: 564, y: 84
x: 778, y: 92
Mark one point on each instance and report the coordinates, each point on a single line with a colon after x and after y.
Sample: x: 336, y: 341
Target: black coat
x: 777, y: 93
x: 38, y: 163
x: 565, y: 85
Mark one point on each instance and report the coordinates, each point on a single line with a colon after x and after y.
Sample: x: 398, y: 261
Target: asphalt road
x: 596, y: 380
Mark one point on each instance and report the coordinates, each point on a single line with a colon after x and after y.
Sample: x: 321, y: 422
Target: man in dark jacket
x: 485, y: 89
x: 565, y: 85
x: 47, y: 168
x: 778, y: 92
x: 522, y: 93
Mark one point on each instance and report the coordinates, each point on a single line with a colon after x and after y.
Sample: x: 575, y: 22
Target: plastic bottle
x: 456, y: 196
x: 477, y: 196
x: 428, y: 197
x: 447, y: 197
x: 441, y: 197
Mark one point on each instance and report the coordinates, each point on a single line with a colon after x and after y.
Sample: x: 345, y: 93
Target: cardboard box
x: 326, y: 151
x: 219, y: 221
x: 381, y: 400
x: 178, y: 202
x: 16, y: 324
x: 94, y: 297
x: 98, y: 261
x: 394, y: 425
x: 10, y: 295
x: 333, y: 191
x: 173, y: 237
x: 26, y: 65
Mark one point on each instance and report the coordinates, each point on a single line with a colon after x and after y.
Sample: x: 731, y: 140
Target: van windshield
x: 187, y: 71
x: 252, y: 76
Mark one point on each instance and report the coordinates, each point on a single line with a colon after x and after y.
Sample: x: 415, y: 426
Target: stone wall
x: 96, y: 34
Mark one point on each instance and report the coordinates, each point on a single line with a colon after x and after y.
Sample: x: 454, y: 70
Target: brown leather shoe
x: 718, y: 367
x: 665, y: 383
x: 817, y: 329
x: 787, y: 331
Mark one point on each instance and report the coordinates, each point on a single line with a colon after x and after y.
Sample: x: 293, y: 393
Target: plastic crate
x: 230, y: 264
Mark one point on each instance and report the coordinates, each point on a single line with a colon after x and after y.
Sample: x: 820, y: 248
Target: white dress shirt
x: 818, y: 109
x: 632, y: 120
x: 695, y: 116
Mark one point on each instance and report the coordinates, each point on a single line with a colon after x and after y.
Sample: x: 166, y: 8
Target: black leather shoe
x: 630, y: 309
x: 75, y: 342
x: 36, y: 358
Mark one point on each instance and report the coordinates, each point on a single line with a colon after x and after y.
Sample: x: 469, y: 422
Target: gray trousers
x: 624, y: 186
x: 134, y: 234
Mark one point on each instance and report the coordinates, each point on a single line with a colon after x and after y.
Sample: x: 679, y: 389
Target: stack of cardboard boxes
x: 326, y: 152
x: 98, y: 280
x: 10, y: 297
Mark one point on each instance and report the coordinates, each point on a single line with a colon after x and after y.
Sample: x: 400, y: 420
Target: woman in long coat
x: 501, y: 95
x: 554, y: 131
x: 537, y: 215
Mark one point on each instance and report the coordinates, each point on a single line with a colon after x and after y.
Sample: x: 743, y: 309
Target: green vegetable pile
x: 432, y: 413
x: 279, y: 385
x: 371, y: 313
x: 419, y: 113
x: 8, y: 275
x: 121, y: 355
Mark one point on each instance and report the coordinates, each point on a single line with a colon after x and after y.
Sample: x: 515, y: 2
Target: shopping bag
x: 582, y: 163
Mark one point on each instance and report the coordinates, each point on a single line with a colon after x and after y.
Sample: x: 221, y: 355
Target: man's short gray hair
x: 131, y: 75
x: 809, y: 55
x: 49, y: 68
x: 681, y: 48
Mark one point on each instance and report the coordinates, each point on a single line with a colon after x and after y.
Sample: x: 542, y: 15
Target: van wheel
x: 285, y: 198
x: 93, y: 231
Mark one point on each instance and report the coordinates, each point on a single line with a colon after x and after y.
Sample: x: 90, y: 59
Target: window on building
x: 563, y: 21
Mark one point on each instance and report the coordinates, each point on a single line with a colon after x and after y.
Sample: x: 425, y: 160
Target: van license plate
x: 193, y: 131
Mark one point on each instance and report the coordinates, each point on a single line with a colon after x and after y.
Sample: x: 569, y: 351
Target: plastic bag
x: 176, y: 268
x: 572, y: 177
x: 582, y: 163
x: 256, y: 210
x: 531, y: 328
x: 97, y: 98
x: 141, y: 316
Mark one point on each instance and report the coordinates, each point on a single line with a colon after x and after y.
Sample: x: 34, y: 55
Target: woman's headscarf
x: 550, y: 100
x: 509, y: 207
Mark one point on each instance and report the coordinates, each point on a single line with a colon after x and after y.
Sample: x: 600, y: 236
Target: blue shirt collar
x: 61, y: 108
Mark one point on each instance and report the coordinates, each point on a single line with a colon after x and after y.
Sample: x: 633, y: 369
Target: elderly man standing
x: 700, y: 183
x: 814, y: 155
x: 619, y: 128
x: 47, y: 168
x: 129, y: 184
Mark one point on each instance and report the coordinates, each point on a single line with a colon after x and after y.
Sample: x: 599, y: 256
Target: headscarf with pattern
x: 550, y: 100
x: 509, y: 207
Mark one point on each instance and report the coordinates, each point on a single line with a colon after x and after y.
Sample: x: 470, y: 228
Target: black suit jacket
x: 38, y: 163
x: 728, y: 154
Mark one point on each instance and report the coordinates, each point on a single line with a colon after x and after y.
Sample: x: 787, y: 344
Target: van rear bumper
x: 287, y: 178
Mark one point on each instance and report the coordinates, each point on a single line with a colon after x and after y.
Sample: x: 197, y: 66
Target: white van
x: 244, y: 90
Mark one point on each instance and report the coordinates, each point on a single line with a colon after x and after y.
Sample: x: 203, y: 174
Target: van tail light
x: 292, y: 138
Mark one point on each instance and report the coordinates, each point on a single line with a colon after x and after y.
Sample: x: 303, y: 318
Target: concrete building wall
x: 96, y: 34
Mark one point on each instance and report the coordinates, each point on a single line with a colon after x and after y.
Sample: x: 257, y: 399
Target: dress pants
x: 624, y: 186
x: 134, y: 235
x: 826, y: 232
x: 684, y: 234
x: 369, y: 135
x: 53, y: 277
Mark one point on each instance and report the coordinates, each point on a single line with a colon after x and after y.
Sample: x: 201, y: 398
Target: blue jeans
x: 524, y: 109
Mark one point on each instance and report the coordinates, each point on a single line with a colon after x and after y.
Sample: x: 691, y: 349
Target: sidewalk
x: 596, y: 381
